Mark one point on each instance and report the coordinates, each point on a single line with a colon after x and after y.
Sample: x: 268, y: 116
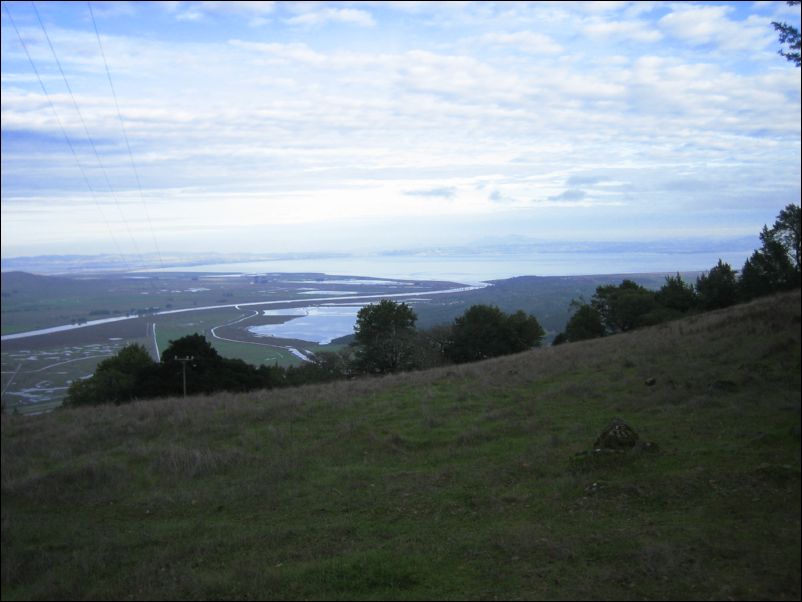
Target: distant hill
x: 32, y: 285
x: 548, y: 298
x: 468, y: 482
x: 16, y: 278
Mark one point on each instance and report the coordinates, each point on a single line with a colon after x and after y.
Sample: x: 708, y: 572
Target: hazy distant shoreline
x: 452, y: 267
x: 477, y: 269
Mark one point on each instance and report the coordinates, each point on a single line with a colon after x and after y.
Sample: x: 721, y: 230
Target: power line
x: 67, y: 139
x: 125, y: 135
x: 89, y: 136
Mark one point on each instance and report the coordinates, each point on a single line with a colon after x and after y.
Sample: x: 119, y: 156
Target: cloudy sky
x: 300, y: 126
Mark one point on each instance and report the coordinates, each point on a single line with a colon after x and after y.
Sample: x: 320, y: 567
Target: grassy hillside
x: 450, y: 484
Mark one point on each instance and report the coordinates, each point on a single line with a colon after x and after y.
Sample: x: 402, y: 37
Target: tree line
x: 385, y: 341
x: 773, y: 268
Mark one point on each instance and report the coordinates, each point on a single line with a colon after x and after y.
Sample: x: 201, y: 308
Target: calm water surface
x: 318, y: 324
x: 472, y: 269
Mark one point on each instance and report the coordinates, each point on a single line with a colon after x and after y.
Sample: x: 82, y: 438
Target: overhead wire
x: 67, y: 139
x: 125, y: 136
x: 90, y: 139
x: 82, y: 169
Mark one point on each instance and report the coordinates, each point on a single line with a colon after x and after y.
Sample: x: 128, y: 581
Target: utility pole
x: 184, y: 361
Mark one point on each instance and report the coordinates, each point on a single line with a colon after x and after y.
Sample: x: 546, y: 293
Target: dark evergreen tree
x: 787, y: 231
x: 790, y: 35
x: 586, y: 323
x: 677, y: 295
x: 767, y: 271
x: 717, y: 288
x: 775, y: 266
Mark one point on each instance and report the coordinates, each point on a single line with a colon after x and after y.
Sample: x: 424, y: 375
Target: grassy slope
x: 454, y: 483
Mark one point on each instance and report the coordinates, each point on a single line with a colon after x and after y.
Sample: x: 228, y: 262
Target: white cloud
x: 248, y: 8
x: 699, y: 25
x: 569, y: 195
x: 292, y: 52
x: 286, y: 124
x: 255, y: 12
x: 446, y: 192
x: 527, y: 41
x: 638, y: 31
x: 350, y: 16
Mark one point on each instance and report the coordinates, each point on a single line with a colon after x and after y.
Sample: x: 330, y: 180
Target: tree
x: 586, y: 323
x: 206, y: 371
x: 485, y: 331
x: 623, y: 307
x: 384, y: 335
x: 718, y: 288
x: 525, y: 331
x: 115, y: 379
x: 789, y: 35
x: 767, y: 271
x: 192, y: 345
x: 762, y: 273
x: 431, y: 345
x: 787, y: 231
x: 776, y: 265
x: 677, y: 295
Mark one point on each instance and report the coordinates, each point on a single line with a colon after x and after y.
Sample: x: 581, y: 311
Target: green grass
x: 173, y: 327
x: 255, y: 354
x: 170, y: 328
x: 458, y: 483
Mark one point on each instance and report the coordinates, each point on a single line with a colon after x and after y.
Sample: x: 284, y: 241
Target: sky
x: 275, y: 127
